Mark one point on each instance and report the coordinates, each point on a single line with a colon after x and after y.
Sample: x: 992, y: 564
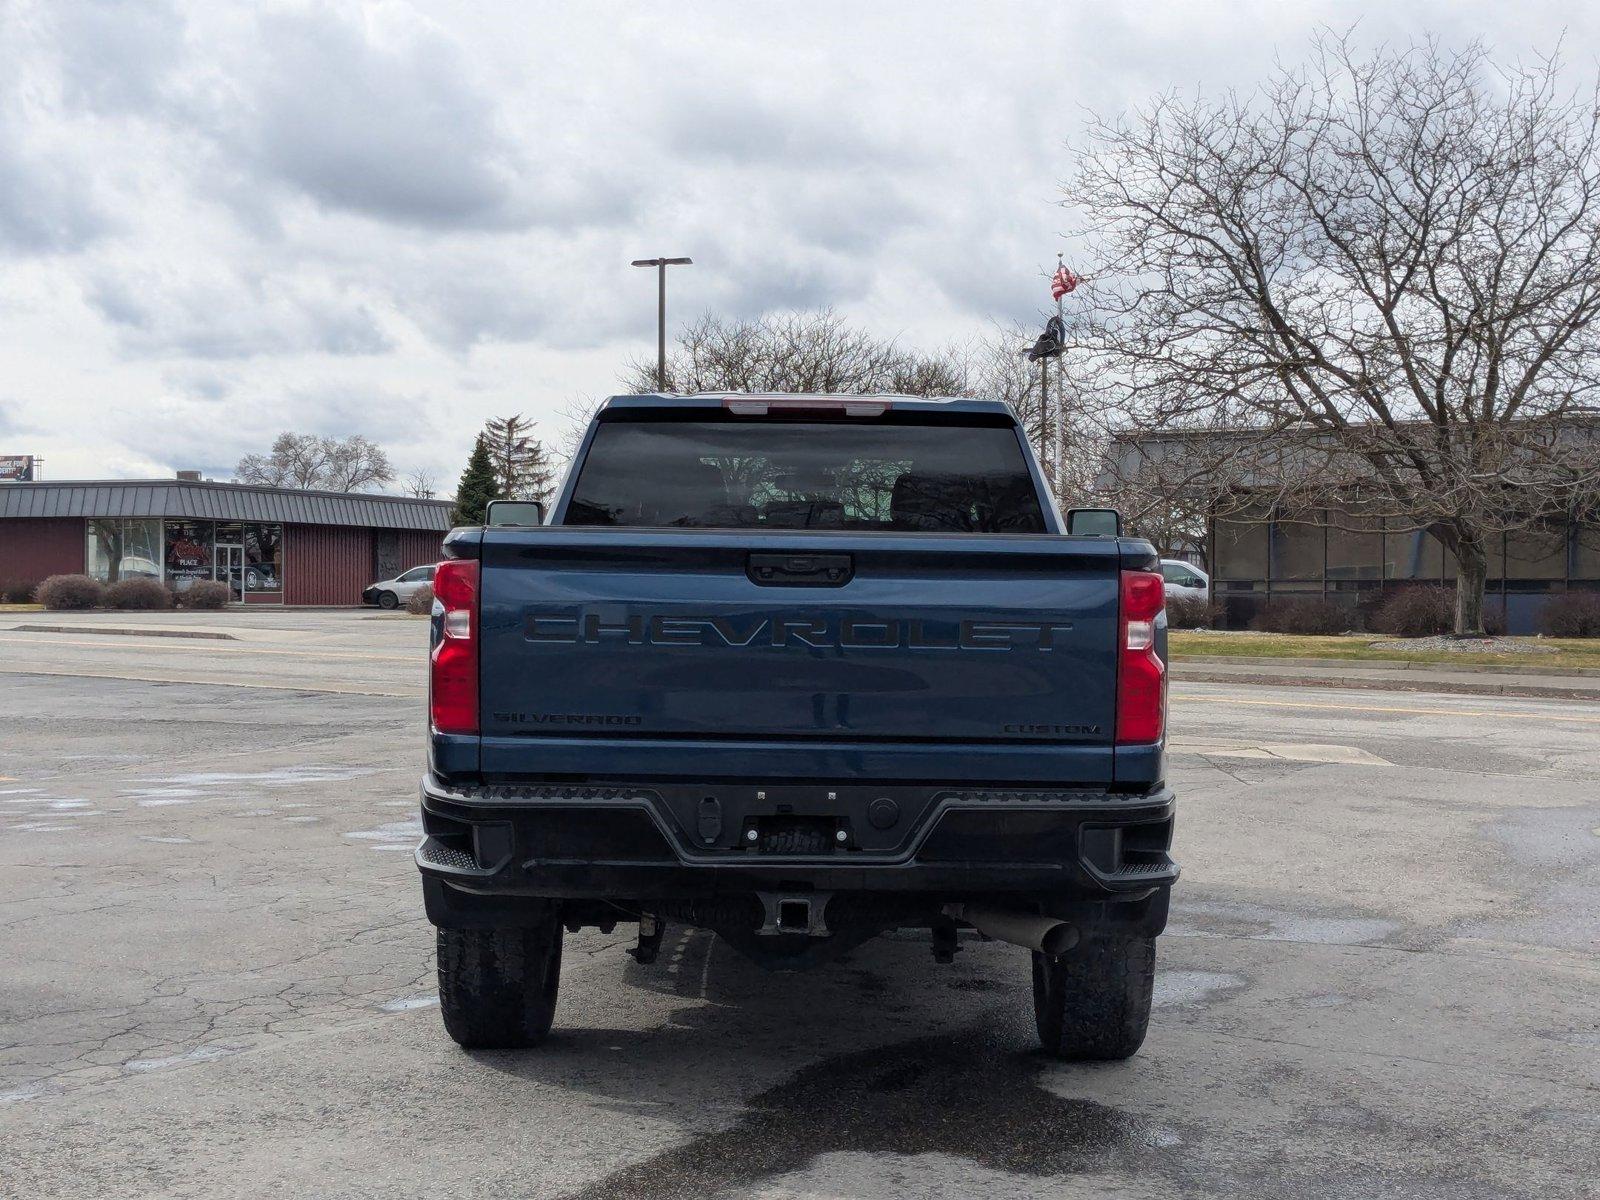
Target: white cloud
x: 220, y: 220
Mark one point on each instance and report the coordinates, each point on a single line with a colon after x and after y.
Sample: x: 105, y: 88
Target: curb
x: 178, y: 633
x: 1395, y: 664
x: 1452, y: 688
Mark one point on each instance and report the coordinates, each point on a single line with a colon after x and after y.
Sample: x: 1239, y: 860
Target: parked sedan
x: 1184, y: 579
x: 392, y: 593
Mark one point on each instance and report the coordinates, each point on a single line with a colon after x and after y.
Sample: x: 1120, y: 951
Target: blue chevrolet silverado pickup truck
x: 799, y: 670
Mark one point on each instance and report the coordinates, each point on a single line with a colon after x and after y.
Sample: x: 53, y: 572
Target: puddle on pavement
x: 280, y: 777
x: 391, y: 835
x: 197, y: 1055
x: 1181, y: 989
x: 409, y: 1003
x: 183, y: 789
x: 966, y: 1095
x: 1213, y: 918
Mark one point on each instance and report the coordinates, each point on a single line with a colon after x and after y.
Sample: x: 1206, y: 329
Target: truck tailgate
x: 798, y: 654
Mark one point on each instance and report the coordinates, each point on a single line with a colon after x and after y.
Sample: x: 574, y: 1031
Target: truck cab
x: 799, y: 670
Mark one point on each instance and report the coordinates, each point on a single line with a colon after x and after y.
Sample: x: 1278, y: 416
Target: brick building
x: 271, y: 545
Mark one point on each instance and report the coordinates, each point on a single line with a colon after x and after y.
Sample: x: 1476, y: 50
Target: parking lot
x: 1380, y: 978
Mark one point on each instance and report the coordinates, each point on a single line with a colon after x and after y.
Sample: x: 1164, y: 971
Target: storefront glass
x: 263, y: 558
x: 189, y: 552
x: 248, y: 557
x: 122, y: 549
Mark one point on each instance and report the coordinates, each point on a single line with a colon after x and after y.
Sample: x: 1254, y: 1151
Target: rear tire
x: 1093, y: 1003
x: 388, y: 600
x: 497, y: 987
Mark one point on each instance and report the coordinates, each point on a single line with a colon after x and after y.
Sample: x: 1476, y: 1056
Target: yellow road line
x: 271, y: 687
x: 1509, y: 713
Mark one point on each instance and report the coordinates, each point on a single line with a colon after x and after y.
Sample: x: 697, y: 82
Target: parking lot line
x: 226, y: 682
x: 210, y: 647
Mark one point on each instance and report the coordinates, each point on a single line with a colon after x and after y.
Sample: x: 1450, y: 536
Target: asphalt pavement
x: 216, y: 980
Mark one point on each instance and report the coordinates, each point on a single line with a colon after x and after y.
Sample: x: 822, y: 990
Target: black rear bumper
x: 629, y: 844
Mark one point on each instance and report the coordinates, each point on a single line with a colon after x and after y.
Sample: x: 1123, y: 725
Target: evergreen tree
x: 521, y: 466
x: 478, y: 486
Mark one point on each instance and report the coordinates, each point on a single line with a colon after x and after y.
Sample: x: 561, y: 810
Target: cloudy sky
x: 221, y: 221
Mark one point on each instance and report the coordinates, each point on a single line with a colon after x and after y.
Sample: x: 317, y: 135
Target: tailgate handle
x: 800, y: 570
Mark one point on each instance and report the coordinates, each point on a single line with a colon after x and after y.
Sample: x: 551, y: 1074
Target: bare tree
x: 575, y: 417
x: 354, y: 463
x: 796, y: 352
x: 1379, y: 272
x: 995, y: 368
x: 420, y: 483
x: 296, y: 460
x: 304, y: 460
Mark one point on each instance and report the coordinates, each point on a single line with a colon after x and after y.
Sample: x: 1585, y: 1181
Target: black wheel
x: 1093, y: 1003
x: 388, y: 600
x: 497, y: 987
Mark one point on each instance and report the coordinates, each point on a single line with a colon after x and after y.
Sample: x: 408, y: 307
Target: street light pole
x: 661, y: 265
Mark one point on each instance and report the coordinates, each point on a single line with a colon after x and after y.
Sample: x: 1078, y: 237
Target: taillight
x: 453, y: 664
x: 1141, y: 675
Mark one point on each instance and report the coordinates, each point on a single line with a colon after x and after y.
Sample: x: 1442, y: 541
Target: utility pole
x: 661, y: 265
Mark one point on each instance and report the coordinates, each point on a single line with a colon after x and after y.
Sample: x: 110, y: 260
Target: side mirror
x: 514, y: 512
x: 1094, y: 522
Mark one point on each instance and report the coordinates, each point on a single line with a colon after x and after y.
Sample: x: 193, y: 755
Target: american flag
x: 1062, y: 282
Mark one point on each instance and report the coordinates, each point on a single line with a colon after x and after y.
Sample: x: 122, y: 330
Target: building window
x: 1298, y: 546
x: 118, y: 549
x: 1414, y: 554
x: 1586, y: 555
x: 263, y: 558
x: 1355, y: 547
x: 1536, y: 557
x: 1241, y: 544
x: 191, y: 552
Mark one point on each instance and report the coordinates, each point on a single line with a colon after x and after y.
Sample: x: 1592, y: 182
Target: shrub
x: 1426, y: 610
x: 1416, y: 612
x: 206, y: 594
x: 15, y: 592
x: 147, y: 595
x: 1574, y: 614
x: 421, y: 602
x: 70, y: 592
x: 1302, y: 614
x: 1192, y: 612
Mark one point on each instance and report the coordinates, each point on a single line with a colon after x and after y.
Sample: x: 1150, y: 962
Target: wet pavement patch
x: 968, y: 1095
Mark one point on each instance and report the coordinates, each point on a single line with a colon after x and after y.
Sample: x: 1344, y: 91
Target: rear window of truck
x: 940, y: 478
x: 807, y: 476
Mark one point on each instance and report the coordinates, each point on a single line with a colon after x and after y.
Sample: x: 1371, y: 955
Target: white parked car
x: 1185, y: 579
x: 392, y: 593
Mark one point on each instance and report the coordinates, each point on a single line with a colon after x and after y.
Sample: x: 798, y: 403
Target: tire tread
x: 497, y: 987
x: 1093, y: 1005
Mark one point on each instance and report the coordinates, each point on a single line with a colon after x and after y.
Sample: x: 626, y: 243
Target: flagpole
x: 1061, y: 404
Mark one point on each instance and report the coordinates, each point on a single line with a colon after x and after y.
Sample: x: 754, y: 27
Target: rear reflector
x: 762, y: 406
x: 453, y: 663
x: 1141, y: 675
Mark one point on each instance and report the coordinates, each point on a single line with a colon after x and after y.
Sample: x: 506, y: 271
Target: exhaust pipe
x: 1047, y: 935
